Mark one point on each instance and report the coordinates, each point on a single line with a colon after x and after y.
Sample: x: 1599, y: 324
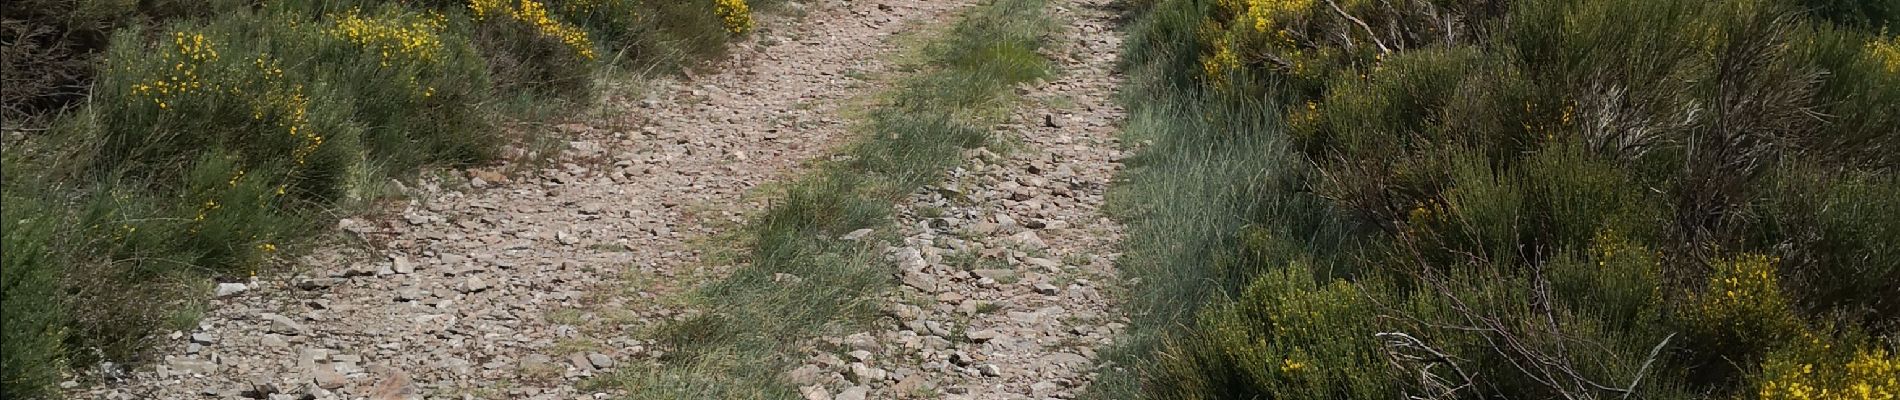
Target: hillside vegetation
x: 1513, y: 199
x: 154, y: 146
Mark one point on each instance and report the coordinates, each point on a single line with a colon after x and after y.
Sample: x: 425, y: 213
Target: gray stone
x: 961, y: 358
x: 815, y: 392
x: 1044, y: 263
x: 854, y: 393
x: 910, y: 259
x: 1067, y: 359
x: 401, y: 265
x: 806, y: 375
x: 981, y: 336
x: 409, y: 293
x: 326, y: 377
x: 1044, y: 388
x: 921, y: 281
x: 862, y: 341
x: 1027, y: 240
x: 284, y: 325
x: 1047, y: 289
x: 315, y: 283
x: 912, y: 384
x: 600, y: 360
x: 865, y: 374
x: 474, y: 284
x: 999, y: 275
x: 989, y: 370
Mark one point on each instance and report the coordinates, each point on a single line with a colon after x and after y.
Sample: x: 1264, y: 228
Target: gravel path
x: 1005, y: 265
x: 480, y: 287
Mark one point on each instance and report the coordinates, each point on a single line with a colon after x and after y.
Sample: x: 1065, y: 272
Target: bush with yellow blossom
x: 1655, y: 199
x: 1820, y: 366
x: 217, y: 138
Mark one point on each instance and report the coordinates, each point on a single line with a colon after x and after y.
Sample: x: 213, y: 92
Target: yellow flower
x: 1265, y: 13
x: 1886, y: 52
x: 535, y: 14
x: 735, y: 13
x: 1288, y: 365
x: 400, y: 39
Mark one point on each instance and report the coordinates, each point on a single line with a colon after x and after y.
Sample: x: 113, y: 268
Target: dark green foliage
x: 1564, y: 198
x: 29, y: 297
x: 522, y: 60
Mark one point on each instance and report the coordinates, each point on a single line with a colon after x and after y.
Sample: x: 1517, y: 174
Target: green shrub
x: 1689, y: 190
x: 1288, y: 335
x: 1818, y: 367
x: 35, y: 325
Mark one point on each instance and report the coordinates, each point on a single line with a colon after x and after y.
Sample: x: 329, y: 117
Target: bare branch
x: 1370, y: 34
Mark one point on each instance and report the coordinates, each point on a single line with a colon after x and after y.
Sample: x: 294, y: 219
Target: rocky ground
x: 472, y: 289
x: 1005, y: 265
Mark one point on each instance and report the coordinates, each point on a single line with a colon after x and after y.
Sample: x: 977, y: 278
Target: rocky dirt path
x: 475, y: 289
x: 1005, y: 265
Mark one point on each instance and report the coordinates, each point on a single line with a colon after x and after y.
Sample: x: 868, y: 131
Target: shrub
x: 1818, y: 367
x: 529, y: 51
x: 1289, y: 334
x: 1686, y: 189
x: 35, y: 326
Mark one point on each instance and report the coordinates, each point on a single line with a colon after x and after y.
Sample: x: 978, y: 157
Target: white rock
x: 854, y: 393
x: 815, y: 392
x: 228, y: 289
x: 989, y: 370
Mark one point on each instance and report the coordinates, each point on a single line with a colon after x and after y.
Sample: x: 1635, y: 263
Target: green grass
x: 750, y: 327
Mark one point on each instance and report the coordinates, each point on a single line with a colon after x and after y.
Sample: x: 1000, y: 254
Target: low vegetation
x: 155, y: 146
x: 1512, y: 199
x: 799, y: 277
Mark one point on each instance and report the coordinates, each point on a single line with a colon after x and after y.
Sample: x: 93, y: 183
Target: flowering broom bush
x: 1551, y: 198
